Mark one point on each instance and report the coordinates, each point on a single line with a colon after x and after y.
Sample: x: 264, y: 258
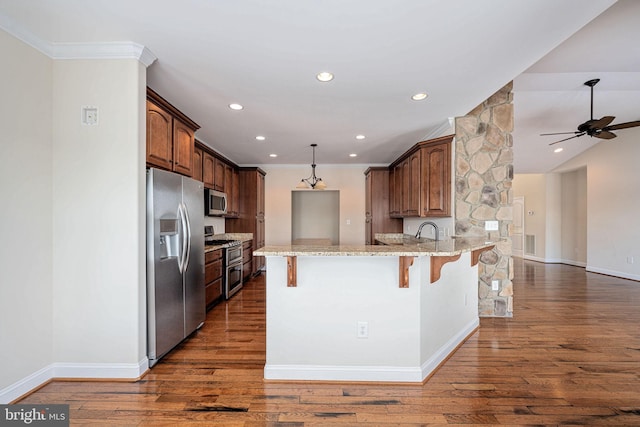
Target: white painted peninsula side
x: 369, y: 313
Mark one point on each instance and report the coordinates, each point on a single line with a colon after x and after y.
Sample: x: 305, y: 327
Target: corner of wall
x: 483, y: 182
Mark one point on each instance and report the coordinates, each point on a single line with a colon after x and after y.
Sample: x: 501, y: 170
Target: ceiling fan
x: 599, y: 128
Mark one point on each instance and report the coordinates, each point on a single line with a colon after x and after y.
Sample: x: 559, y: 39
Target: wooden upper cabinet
x: 197, y: 163
x: 170, y: 136
x: 411, y: 199
x: 436, y: 180
x: 395, y: 191
x: 377, y: 218
x: 420, y: 180
x: 367, y: 195
x: 218, y: 179
x: 228, y: 189
x: 260, y: 195
x: 159, y: 137
x: 208, y: 162
x: 235, y: 193
x: 183, y: 140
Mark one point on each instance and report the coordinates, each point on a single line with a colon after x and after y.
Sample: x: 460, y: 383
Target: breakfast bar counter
x: 389, y: 312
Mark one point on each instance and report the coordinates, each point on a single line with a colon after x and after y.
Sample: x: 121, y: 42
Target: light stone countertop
x: 392, y: 245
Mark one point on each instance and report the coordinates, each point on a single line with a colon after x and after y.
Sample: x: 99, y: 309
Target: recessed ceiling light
x: 273, y: 155
x: 419, y: 96
x: 557, y: 150
x: 236, y: 106
x: 353, y: 155
x: 324, y: 76
x: 260, y: 138
x: 360, y: 137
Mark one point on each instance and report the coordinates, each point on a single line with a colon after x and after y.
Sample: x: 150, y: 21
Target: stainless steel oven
x: 231, y: 264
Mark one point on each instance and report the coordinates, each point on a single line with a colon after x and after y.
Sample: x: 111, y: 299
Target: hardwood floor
x: 570, y: 356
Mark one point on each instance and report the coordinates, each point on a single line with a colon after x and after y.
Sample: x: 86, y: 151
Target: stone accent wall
x: 484, y: 172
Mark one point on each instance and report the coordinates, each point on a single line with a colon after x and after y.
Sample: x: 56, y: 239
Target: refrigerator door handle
x: 187, y: 247
x: 183, y: 236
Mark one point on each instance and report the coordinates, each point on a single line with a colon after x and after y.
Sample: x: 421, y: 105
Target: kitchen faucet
x: 436, y: 232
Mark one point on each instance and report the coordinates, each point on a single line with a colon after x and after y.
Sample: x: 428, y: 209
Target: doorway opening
x: 315, y: 217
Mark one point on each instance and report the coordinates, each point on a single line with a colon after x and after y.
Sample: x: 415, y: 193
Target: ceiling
x: 551, y: 96
x: 265, y: 54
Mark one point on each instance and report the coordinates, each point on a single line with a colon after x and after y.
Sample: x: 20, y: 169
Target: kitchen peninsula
x: 388, y: 312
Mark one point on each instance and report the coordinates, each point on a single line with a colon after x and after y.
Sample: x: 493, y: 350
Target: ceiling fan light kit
x: 595, y: 128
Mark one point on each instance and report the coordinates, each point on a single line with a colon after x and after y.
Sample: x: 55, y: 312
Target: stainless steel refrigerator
x: 175, y: 260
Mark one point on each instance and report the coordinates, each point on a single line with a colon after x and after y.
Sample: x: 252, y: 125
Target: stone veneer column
x: 484, y: 171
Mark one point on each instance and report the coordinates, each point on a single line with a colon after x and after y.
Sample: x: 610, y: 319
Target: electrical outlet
x: 495, y: 285
x: 348, y: 222
x: 629, y: 260
x: 491, y: 225
x: 363, y: 330
x: 89, y: 115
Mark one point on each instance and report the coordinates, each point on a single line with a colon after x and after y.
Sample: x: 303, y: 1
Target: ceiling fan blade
x: 622, y: 126
x: 605, y: 135
x: 560, y: 133
x: 599, y: 124
x: 571, y: 137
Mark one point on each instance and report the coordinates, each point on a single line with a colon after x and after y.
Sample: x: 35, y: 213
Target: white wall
x: 98, y: 216
x: 533, y: 188
x: 613, y: 186
x: 25, y: 217
x: 574, y: 217
x: 72, y: 300
x: 612, y: 203
x: 280, y: 181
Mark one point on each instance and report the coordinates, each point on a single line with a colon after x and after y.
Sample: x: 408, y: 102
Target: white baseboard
x: 448, y: 348
x: 555, y: 261
x: 409, y: 374
x: 343, y: 373
x: 615, y: 273
x: 130, y: 371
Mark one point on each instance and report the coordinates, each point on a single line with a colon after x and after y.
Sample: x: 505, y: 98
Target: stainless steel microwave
x: 215, y: 203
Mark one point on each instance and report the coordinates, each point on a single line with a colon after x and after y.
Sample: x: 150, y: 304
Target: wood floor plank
x: 570, y: 356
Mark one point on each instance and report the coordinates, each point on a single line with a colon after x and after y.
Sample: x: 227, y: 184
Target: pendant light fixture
x: 313, y: 181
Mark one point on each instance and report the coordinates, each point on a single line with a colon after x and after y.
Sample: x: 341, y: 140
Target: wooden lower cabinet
x: 247, y: 258
x: 213, y: 276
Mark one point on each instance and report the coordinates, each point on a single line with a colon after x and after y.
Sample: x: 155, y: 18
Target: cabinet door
x: 207, y: 169
x: 159, y: 137
x: 183, y: 140
x: 399, y: 189
x: 197, y: 164
x: 368, y: 231
x: 218, y: 182
x: 228, y: 188
x: 393, y: 206
x: 260, y: 195
x: 436, y: 179
x: 235, y: 193
x: 413, y: 175
x: 367, y: 195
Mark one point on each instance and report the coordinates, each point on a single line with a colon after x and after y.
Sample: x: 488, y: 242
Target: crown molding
x: 103, y: 50
x: 447, y: 127
x: 107, y: 50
